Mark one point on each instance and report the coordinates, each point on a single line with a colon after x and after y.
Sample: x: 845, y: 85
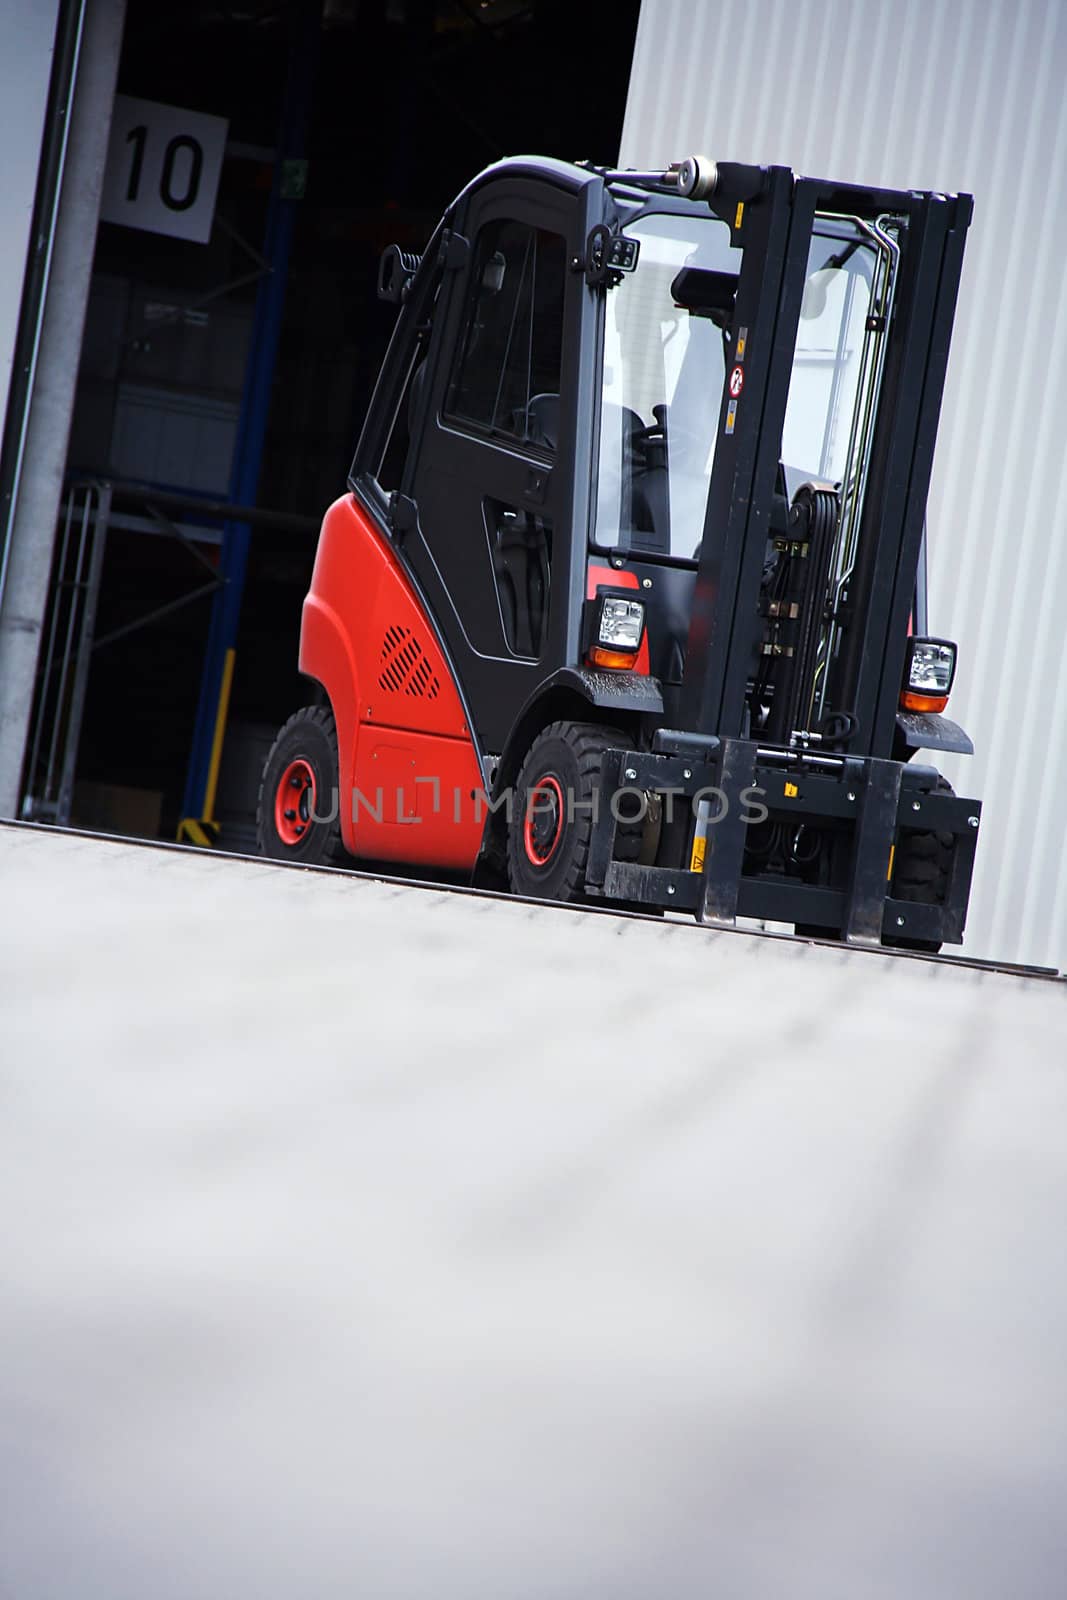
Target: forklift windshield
x: 662, y: 387
x: 665, y: 365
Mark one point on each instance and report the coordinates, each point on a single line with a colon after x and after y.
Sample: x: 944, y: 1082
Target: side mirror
x: 493, y: 272
x: 816, y: 288
x: 703, y: 292
x: 813, y: 302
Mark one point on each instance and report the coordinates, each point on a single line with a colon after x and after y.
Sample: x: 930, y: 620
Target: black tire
x: 298, y: 816
x: 548, y: 851
x: 921, y: 868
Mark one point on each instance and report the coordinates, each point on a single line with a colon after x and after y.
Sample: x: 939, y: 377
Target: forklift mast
x: 864, y: 550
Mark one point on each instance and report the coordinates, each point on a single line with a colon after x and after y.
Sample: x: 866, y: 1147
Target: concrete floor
x: 375, y: 1242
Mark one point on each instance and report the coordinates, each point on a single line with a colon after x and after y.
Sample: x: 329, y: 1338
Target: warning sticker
x: 742, y: 341
x: 737, y: 382
x: 731, y: 416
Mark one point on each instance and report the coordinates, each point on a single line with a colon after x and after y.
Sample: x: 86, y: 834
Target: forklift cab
x: 649, y: 455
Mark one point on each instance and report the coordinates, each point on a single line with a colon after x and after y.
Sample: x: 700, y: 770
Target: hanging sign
x: 163, y: 168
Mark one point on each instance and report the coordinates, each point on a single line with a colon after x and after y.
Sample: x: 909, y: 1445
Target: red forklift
x: 626, y: 600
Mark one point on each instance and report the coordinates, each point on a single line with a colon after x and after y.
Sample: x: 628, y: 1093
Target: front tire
x: 298, y: 816
x: 921, y: 869
x: 552, y: 814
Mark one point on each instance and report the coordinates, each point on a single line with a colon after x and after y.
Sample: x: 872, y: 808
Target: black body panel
x: 928, y: 730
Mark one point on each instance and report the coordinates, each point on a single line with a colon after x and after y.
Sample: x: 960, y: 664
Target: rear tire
x: 552, y: 820
x: 298, y: 816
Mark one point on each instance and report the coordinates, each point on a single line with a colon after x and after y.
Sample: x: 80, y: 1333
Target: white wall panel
x: 959, y: 95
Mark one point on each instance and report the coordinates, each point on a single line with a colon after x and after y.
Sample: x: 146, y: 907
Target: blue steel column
x: 196, y: 824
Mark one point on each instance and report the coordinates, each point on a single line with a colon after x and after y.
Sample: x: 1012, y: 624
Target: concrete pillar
x: 43, y: 448
x: 27, y: 55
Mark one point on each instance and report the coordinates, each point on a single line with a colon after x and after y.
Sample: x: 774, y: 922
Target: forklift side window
x: 507, y: 378
x: 520, y: 543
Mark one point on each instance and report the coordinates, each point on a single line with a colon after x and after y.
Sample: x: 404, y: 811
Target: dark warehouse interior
x: 351, y: 125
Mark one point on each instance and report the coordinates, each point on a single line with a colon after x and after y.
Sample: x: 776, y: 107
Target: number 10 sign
x: 163, y: 168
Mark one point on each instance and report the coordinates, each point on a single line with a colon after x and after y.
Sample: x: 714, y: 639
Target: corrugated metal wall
x: 960, y: 95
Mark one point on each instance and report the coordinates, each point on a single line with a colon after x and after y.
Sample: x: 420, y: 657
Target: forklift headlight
x: 929, y: 669
x: 621, y: 623
x: 614, y: 628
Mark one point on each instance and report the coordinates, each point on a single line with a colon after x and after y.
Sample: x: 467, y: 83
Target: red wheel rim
x: 543, y: 825
x: 294, y: 801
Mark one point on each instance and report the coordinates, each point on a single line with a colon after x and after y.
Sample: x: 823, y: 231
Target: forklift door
x: 491, y: 466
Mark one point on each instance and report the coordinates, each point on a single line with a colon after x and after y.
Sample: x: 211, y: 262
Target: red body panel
x: 366, y: 639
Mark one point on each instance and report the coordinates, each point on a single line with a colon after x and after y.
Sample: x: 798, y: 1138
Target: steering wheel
x: 689, y: 446
x: 654, y: 432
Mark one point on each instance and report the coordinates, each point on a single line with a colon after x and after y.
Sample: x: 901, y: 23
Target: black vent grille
x: 405, y: 670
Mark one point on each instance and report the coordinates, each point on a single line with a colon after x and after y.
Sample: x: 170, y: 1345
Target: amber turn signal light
x: 599, y: 657
x: 923, y: 702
